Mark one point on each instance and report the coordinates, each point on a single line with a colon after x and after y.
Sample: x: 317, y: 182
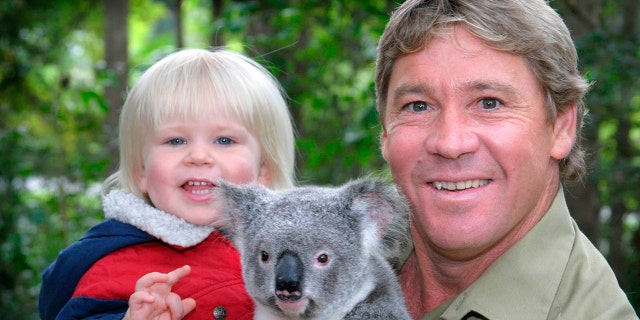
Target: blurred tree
x: 323, y: 52
x: 217, y: 8
x: 607, y: 34
x: 44, y: 125
x: 116, y: 44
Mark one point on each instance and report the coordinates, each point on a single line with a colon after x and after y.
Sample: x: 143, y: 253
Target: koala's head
x: 306, y: 250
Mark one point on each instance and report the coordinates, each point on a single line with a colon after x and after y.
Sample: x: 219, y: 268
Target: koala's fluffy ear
x: 239, y: 203
x: 379, y: 201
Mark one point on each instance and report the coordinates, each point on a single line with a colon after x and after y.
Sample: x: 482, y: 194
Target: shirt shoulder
x: 554, y: 272
x: 589, y: 288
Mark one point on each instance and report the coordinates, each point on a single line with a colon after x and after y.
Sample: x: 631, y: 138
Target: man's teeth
x: 460, y: 185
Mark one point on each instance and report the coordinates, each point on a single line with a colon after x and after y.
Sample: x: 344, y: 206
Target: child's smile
x: 198, y: 187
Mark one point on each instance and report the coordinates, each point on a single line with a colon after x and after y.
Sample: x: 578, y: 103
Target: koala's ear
x: 375, y: 199
x: 239, y: 204
x: 384, y: 212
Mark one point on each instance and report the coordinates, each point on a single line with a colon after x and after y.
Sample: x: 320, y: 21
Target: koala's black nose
x: 289, y: 274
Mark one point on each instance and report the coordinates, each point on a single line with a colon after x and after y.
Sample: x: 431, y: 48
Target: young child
x: 194, y: 117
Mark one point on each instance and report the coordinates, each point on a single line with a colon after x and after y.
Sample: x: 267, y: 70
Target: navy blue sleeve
x: 91, y: 308
x: 59, y: 280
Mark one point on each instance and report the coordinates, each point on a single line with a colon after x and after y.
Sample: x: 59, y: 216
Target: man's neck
x: 426, y: 284
x: 429, y: 278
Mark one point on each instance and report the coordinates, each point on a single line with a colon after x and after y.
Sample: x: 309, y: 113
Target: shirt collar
x: 524, y: 280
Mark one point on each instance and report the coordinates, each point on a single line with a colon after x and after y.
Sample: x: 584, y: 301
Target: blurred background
x: 65, y: 67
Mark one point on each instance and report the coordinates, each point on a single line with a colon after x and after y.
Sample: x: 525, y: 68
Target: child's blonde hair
x: 192, y: 83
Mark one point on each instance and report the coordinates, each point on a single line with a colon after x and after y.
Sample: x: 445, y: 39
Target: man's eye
x: 490, y: 103
x: 224, y: 141
x: 176, y: 141
x: 417, y: 106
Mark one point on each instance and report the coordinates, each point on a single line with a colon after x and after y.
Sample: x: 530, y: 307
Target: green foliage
x: 323, y: 54
x: 610, y: 54
x: 46, y: 134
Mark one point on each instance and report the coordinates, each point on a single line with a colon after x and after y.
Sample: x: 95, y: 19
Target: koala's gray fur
x: 320, y: 252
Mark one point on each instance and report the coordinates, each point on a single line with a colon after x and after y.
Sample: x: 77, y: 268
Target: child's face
x: 184, y: 159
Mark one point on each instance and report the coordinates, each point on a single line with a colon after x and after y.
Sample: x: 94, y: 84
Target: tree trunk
x: 583, y: 200
x: 116, y: 14
x: 624, y: 152
x: 216, y: 13
x: 176, y: 10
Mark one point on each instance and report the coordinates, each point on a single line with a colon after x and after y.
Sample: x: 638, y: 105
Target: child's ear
x: 564, y: 132
x: 141, y: 180
x: 264, y: 176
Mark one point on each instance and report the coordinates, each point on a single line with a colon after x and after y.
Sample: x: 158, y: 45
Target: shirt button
x: 219, y: 313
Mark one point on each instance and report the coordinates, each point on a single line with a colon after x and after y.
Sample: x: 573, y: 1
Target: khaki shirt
x: 554, y: 272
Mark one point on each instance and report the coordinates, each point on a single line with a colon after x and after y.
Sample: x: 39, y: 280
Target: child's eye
x: 224, y: 141
x: 490, y: 103
x: 417, y: 106
x: 176, y: 141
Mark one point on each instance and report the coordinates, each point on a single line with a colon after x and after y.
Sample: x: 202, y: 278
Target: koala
x: 316, y: 252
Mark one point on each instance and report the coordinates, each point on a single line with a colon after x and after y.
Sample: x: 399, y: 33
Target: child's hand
x: 153, y: 298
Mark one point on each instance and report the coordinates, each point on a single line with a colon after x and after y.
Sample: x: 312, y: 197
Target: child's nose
x: 199, y: 155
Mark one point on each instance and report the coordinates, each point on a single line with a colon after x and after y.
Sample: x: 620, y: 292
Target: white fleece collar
x: 127, y: 208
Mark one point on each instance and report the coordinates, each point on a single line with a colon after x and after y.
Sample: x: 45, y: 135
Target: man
x: 481, y: 104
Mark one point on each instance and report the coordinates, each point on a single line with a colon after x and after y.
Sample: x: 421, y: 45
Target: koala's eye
x: 323, y: 258
x: 264, y: 256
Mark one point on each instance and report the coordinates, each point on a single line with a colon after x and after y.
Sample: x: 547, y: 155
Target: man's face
x: 469, y: 143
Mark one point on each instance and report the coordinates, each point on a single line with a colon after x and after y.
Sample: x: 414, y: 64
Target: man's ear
x: 383, y: 144
x: 564, y: 132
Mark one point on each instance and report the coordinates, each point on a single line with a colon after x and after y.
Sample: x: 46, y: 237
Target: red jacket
x: 94, y: 277
x: 215, y: 280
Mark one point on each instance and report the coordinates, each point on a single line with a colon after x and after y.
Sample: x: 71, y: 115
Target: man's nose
x: 452, y: 134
